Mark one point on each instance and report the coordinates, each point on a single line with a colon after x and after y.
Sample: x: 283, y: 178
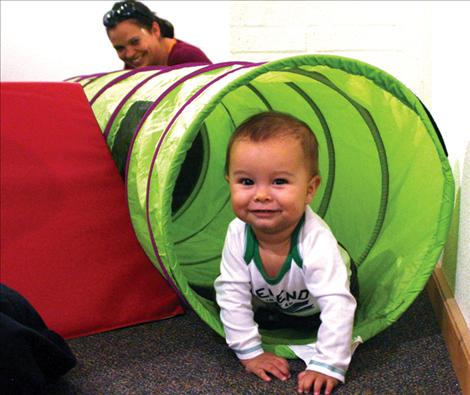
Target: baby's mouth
x: 264, y: 212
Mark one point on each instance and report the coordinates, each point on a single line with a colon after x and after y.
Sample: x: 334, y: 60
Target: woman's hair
x: 272, y: 124
x: 140, y: 13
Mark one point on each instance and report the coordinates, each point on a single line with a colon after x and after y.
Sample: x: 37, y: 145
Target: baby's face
x: 270, y: 184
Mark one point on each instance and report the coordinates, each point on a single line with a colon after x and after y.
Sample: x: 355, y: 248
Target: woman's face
x: 137, y: 46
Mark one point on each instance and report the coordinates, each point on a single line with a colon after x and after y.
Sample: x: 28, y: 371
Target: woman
x: 143, y: 39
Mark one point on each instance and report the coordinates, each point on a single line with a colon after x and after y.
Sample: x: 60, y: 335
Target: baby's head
x: 276, y: 125
x: 272, y: 171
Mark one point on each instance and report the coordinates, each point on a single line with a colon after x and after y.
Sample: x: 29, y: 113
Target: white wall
x: 450, y: 107
x: 394, y: 36
x: 422, y: 43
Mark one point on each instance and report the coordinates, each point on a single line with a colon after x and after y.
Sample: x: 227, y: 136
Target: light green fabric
x: 387, y: 188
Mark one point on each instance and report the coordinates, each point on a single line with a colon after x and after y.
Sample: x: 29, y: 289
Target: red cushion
x: 67, y: 243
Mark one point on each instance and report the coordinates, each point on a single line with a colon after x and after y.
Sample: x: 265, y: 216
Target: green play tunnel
x: 387, y: 188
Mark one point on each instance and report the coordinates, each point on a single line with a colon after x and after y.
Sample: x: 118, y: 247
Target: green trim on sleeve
x: 329, y: 367
x: 249, y: 350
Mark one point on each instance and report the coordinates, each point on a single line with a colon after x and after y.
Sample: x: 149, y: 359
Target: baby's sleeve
x: 233, y: 293
x: 326, y: 276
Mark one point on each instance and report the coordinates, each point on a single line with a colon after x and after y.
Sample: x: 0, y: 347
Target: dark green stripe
x: 185, y: 263
x: 330, y: 149
x: 364, y: 113
x: 227, y: 201
x: 229, y: 114
x: 260, y: 96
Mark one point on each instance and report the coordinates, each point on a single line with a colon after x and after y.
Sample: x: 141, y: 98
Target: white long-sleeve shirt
x: 313, y: 278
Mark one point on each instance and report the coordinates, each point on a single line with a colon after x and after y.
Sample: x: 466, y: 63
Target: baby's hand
x: 309, y: 380
x: 267, y: 363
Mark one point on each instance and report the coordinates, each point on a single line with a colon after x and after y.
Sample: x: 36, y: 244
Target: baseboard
x: 453, y: 326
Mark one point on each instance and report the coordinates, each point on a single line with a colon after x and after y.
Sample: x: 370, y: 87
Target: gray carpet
x: 182, y: 355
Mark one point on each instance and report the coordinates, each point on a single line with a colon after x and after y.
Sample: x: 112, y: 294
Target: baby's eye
x: 246, y: 181
x: 280, y: 181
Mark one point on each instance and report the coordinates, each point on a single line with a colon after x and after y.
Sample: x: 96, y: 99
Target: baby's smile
x: 265, y: 212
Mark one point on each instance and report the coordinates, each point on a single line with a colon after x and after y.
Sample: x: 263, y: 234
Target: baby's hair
x: 272, y: 124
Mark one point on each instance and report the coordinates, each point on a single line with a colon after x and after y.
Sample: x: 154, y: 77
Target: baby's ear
x: 312, y: 188
x: 226, y: 178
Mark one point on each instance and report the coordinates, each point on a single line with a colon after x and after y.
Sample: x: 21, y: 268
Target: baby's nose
x: 262, y: 195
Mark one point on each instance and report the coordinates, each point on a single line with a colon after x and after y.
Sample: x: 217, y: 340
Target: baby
x: 279, y: 254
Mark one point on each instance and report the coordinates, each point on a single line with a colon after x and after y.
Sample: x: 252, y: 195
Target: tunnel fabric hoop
x: 387, y: 188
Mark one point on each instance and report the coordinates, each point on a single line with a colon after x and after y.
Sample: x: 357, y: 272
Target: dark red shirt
x: 183, y: 52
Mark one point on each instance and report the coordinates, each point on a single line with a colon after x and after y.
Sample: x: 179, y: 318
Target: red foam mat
x: 67, y: 243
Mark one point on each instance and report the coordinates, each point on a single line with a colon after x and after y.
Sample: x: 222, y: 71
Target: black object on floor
x: 31, y: 355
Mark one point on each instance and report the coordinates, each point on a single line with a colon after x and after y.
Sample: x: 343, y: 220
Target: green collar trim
x: 252, y: 253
